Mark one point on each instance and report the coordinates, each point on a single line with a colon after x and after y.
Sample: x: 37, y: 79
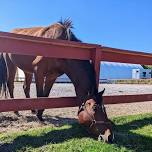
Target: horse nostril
x: 103, y: 138
x: 100, y: 137
x: 111, y: 138
x: 107, y: 139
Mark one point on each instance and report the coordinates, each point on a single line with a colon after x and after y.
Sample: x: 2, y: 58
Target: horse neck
x: 83, y: 79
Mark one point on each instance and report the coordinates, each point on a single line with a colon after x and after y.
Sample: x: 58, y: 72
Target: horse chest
x: 24, y: 62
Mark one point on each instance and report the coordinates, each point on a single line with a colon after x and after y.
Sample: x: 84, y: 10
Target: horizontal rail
x: 125, y: 56
x: 37, y: 103
x: 46, y: 103
x: 21, y: 37
x: 116, y: 99
x: 28, y: 45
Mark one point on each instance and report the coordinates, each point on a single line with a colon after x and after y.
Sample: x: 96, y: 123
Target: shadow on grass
x: 53, y: 137
x: 127, y: 138
x: 124, y: 137
x: 56, y: 120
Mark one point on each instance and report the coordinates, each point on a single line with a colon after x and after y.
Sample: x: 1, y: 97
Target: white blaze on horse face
x: 90, y: 103
x: 105, y: 136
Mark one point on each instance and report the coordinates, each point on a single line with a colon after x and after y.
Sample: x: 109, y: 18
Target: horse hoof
x: 17, y: 113
x: 40, y: 118
x: 33, y: 111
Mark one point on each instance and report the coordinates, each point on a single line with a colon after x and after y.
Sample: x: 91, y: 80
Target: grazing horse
x: 91, y: 112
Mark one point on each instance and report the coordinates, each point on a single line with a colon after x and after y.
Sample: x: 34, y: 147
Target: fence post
x: 96, y: 57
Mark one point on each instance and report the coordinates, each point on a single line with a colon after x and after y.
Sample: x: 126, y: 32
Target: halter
x: 94, y: 121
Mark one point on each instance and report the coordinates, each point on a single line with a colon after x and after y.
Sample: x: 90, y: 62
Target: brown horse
x: 91, y: 112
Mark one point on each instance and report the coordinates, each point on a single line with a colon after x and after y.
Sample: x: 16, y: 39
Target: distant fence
x: 27, y: 45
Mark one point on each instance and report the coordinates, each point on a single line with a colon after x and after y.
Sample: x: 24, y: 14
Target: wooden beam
x: 47, y: 103
x: 125, y: 56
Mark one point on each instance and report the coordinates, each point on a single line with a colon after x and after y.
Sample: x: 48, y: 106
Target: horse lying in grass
x: 91, y: 112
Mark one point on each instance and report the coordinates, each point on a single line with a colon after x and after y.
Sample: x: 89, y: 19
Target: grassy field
x: 133, y: 133
x: 134, y: 81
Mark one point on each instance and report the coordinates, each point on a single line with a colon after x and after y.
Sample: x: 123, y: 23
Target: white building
x: 141, y: 73
x: 113, y: 70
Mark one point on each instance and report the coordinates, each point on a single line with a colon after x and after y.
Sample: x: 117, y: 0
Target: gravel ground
x: 57, y: 117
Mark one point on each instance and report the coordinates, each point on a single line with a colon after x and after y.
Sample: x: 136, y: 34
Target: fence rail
x: 28, y: 45
x: 61, y: 102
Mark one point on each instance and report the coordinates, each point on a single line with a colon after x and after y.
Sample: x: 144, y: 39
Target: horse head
x: 92, y: 114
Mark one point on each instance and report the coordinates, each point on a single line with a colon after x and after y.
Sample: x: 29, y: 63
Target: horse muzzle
x: 107, y: 137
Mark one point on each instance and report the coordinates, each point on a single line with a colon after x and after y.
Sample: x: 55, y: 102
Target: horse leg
x: 39, y: 80
x: 10, y: 85
x: 27, y: 83
x: 49, y: 81
x: 26, y: 86
x: 11, y: 68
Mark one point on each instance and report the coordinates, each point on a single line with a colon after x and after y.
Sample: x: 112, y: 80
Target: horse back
x: 33, y: 31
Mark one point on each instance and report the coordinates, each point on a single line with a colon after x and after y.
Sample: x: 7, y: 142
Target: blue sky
x: 125, y: 24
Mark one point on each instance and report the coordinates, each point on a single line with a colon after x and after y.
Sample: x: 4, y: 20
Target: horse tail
x: 3, y: 76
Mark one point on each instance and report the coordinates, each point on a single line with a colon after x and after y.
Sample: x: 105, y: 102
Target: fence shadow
x: 7, y: 120
x: 124, y: 137
x: 55, y: 120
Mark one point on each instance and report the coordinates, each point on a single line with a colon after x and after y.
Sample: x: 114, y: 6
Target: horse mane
x: 68, y: 25
x: 48, y: 31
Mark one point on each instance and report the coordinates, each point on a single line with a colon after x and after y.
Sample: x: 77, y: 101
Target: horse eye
x: 89, y: 103
x: 94, y: 107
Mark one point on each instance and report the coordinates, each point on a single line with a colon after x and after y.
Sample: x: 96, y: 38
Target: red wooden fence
x: 27, y: 45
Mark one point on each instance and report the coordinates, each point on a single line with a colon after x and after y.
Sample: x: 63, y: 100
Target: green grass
x: 133, y: 133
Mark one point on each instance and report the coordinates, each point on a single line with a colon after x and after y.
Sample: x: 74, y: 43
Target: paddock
x: 132, y: 99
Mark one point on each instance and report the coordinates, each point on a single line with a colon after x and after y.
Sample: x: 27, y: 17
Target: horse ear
x: 99, y: 96
x: 101, y: 93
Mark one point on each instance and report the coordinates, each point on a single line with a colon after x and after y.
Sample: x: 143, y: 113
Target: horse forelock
x: 67, y: 23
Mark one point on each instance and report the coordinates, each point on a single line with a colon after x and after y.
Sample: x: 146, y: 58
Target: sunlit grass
x: 133, y: 133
